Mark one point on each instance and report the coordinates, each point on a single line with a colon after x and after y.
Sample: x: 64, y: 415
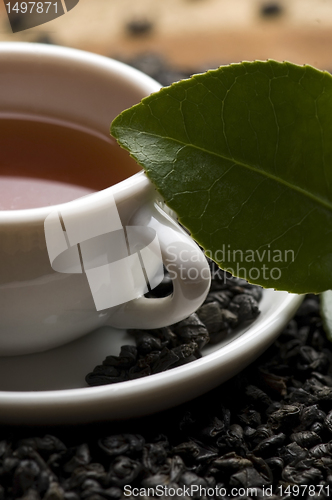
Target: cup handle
x: 188, y: 269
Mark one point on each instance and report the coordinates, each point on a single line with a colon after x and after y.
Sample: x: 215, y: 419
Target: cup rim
x: 137, y: 180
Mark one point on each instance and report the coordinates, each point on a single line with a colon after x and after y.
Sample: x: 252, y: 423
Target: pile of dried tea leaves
x: 231, y: 302
x: 268, y: 427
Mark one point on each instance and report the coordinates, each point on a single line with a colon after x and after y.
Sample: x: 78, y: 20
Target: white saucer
x: 49, y: 388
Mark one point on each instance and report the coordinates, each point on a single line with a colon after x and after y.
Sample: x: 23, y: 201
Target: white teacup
x: 68, y: 269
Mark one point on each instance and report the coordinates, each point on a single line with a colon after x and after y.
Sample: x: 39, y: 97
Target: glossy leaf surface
x: 243, y: 155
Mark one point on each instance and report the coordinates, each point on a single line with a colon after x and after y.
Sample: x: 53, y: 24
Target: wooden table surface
x: 192, y: 33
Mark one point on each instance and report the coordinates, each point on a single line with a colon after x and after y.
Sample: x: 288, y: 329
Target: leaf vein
x: 326, y: 204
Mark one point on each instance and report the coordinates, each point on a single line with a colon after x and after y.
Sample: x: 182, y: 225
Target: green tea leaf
x: 243, y: 155
x: 326, y: 312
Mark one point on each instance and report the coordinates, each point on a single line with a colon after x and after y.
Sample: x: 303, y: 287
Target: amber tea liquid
x: 45, y: 162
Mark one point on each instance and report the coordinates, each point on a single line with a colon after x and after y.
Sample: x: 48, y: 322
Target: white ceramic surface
x: 49, y: 388
x: 46, y: 302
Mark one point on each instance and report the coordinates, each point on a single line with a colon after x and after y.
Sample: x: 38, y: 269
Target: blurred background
x: 171, y: 39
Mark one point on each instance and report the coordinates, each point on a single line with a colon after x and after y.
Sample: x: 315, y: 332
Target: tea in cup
x: 83, y: 232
